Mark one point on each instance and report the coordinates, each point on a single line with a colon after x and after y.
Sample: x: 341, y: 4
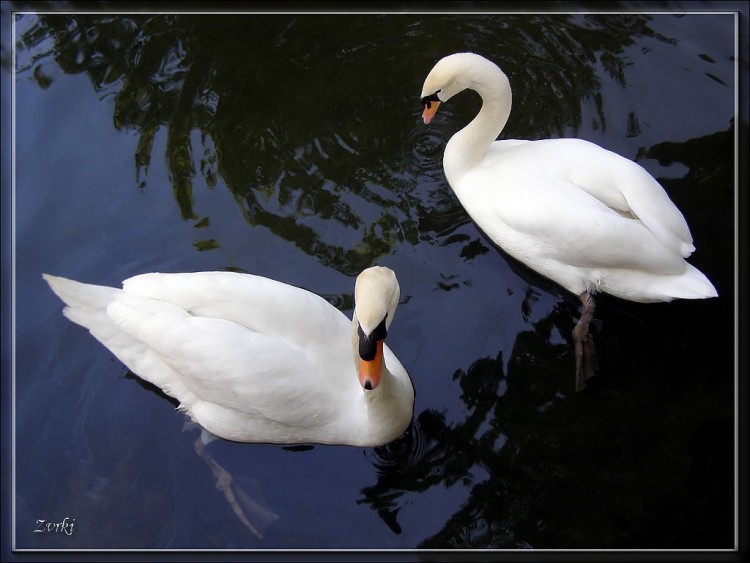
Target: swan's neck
x: 391, y: 400
x: 467, y: 148
x: 388, y: 402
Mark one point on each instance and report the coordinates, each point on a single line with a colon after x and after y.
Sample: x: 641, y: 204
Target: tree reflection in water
x: 337, y: 166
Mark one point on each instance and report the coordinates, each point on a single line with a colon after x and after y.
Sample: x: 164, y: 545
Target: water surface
x: 291, y: 146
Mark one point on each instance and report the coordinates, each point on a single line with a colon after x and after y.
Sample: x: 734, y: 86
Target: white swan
x: 254, y: 360
x: 584, y: 217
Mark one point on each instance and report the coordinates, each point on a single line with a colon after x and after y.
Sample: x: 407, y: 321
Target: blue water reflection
x: 291, y: 146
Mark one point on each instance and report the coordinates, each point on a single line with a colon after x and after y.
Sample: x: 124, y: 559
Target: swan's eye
x: 368, y: 344
x: 431, y: 98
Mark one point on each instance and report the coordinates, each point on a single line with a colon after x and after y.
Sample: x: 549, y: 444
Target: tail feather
x: 90, y: 306
x: 80, y: 295
x: 85, y: 303
x: 693, y: 284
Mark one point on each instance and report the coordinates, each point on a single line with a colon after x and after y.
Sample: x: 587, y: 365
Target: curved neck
x: 391, y: 400
x: 468, y: 147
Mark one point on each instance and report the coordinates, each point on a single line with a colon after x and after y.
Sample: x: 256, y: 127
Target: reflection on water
x: 312, y: 123
x: 249, y: 507
x: 342, y: 185
x: 569, y: 472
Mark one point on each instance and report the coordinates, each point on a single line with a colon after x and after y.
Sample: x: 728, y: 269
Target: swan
x: 252, y: 359
x: 588, y: 219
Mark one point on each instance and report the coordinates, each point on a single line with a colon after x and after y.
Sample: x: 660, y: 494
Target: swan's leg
x: 261, y: 515
x: 586, y: 364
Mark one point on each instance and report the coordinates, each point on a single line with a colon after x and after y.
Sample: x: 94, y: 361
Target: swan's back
x: 617, y: 182
x: 585, y: 217
x: 258, y: 303
x: 248, y: 358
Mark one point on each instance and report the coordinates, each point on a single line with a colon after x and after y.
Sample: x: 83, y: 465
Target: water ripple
x: 427, y: 147
x: 403, y: 452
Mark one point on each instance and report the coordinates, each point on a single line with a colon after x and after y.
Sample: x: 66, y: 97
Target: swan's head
x: 376, y: 295
x: 457, y: 72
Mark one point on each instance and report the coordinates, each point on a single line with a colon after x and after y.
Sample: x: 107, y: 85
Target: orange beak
x: 369, y: 370
x: 430, y: 109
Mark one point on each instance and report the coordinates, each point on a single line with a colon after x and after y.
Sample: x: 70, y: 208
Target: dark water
x: 291, y: 146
